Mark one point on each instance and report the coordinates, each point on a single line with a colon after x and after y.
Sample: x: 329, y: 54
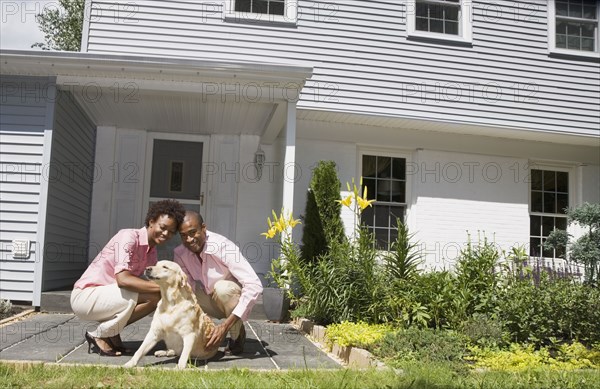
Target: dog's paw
x: 164, y: 353
x: 129, y: 364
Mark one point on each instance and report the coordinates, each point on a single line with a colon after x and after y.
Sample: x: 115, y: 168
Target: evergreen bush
x: 322, y: 221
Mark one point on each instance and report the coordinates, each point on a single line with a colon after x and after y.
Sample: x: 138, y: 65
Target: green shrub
x: 551, y: 311
x: 424, y: 345
x: 322, y: 221
x: 483, y: 330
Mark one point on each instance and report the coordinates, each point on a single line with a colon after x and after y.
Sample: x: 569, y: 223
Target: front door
x: 176, y: 173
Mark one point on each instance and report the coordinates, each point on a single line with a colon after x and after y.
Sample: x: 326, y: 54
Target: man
x: 224, y: 282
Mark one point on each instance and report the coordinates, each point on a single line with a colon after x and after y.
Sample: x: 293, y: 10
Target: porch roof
x: 169, y: 94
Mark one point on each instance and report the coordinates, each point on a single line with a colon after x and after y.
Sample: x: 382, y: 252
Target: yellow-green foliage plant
x: 358, y: 334
x: 519, y: 358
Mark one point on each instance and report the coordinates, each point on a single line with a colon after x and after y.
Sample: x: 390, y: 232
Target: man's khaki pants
x: 221, y: 302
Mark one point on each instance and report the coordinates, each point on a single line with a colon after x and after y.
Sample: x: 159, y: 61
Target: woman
x: 111, y: 290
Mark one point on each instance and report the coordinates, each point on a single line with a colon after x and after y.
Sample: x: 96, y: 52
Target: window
x: 439, y: 19
x: 549, y: 198
x: 385, y: 179
x: 573, y: 26
x: 262, y: 10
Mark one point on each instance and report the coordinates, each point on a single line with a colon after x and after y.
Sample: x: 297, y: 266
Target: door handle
x: 202, y: 199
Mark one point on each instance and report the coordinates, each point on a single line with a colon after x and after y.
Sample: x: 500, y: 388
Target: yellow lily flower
x: 364, y: 203
x: 346, y: 202
x: 270, y: 233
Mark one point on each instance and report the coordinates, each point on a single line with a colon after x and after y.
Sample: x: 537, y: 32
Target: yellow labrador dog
x: 178, y: 319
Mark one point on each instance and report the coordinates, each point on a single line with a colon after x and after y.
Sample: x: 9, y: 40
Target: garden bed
x: 354, y: 357
x: 15, y: 312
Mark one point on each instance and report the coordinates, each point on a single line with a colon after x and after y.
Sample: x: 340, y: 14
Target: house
x: 462, y: 116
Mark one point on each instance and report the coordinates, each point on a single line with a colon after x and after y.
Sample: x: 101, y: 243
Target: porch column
x: 289, y: 161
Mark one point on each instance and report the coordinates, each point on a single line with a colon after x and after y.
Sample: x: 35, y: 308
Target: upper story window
x: 573, y: 27
x: 439, y: 19
x: 262, y: 10
x: 385, y: 179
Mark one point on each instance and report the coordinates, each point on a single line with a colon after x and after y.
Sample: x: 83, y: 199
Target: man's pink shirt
x: 221, y: 260
x: 127, y: 250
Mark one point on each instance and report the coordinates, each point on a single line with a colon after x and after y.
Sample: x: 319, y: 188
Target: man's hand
x: 217, y: 336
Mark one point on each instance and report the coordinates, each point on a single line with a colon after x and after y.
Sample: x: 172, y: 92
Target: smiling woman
x: 111, y: 291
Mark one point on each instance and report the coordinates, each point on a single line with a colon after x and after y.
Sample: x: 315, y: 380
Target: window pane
x: 561, y: 223
x: 398, y: 191
x: 452, y: 28
x: 260, y: 6
x: 382, y: 216
x: 422, y: 24
x: 562, y: 8
x: 436, y: 25
x: 562, y: 182
x: 396, y: 212
x: 370, y: 184
x: 561, y: 27
x: 549, y: 253
x: 451, y: 13
x: 368, y: 216
x: 562, y: 202
x: 534, y: 247
x: 369, y: 165
x: 399, y: 168
x: 588, y: 30
x: 535, y: 225
x: 383, y: 191
x: 384, y: 167
x: 549, y: 202
x: 436, y: 12
x: 547, y: 225
x: 589, y: 12
x: 382, y: 238
x: 422, y: 10
x: 536, y: 202
x: 276, y: 8
x: 575, y: 10
x: 536, y: 180
x: 549, y: 180
x: 573, y: 43
x: 242, y: 5
x: 587, y: 44
x: 561, y: 41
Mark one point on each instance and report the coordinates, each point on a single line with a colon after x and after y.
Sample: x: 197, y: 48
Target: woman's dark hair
x: 171, y: 208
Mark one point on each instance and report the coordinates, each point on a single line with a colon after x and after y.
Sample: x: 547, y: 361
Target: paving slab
x: 59, y: 338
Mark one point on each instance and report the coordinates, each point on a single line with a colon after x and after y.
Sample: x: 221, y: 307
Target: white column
x: 289, y: 161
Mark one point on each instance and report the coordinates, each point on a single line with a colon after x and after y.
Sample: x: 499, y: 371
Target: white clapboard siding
x: 69, y: 195
x: 22, y: 125
x: 364, y: 63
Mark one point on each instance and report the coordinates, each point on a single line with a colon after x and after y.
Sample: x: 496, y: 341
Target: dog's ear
x: 182, y: 280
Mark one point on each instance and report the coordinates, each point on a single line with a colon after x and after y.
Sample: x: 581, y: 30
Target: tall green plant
x: 62, y: 26
x: 477, y: 276
x: 322, y: 223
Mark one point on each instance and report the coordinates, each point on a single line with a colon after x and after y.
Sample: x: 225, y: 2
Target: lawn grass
x: 413, y: 375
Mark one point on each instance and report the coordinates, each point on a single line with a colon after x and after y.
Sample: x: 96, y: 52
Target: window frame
x: 407, y: 156
x: 465, y: 23
x: 572, y: 193
x: 552, y: 49
x: 290, y: 15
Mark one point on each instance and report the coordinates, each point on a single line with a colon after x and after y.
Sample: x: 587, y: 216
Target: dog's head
x: 166, y: 273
